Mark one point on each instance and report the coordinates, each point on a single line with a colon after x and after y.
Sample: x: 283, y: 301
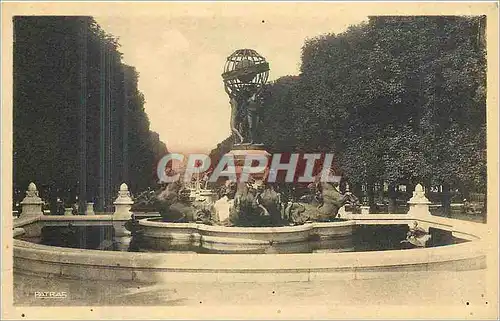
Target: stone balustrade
x: 32, y: 205
x: 90, y: 209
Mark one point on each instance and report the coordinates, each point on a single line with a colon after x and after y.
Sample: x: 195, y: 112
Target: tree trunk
x: 371, y: 198
x: 391, y: 191
x: 465, y: 192
x: 427, y: 188
x: 381, y: 194
x: 446, y: 200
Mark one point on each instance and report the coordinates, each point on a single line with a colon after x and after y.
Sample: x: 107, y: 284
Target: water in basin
x: 364, y: 238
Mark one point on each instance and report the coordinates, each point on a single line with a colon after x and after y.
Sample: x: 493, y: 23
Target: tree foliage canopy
x: 69, y: 72
x: 395, y: 98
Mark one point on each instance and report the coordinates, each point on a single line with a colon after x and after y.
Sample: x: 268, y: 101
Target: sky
x: 180, y: 60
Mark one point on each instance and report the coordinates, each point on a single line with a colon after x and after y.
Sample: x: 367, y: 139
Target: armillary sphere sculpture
x: 245, y: 74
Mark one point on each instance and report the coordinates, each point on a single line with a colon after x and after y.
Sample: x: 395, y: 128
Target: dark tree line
x: 80, y: 128
x: 399, y: 100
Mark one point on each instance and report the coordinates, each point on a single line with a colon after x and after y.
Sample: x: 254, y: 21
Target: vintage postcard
x: 249, y: 160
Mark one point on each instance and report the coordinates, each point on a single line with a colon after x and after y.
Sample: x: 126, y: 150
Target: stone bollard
x: 122, y: 214
x: 419, y: 204
x: 68, y: 211
x: 90, y: 209
x: 123, y: 204
x: 31, y: 204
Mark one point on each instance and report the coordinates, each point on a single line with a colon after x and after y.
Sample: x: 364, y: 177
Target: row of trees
x: 79, y: 122
x: 399, y: 100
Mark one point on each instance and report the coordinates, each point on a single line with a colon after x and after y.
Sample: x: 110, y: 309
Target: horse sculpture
x: 271, y: 201
x: 174, y: 205
x: 247, y: 211
x: 145, y: 200
x: 252, y: 203
x: 256, y: 204
x: 321, y: 205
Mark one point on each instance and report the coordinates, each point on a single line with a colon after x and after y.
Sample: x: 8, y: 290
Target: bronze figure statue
x: 245, y: 74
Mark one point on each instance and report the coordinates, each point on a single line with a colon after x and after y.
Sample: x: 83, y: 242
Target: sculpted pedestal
x: 419, y: 204
x: 32, y: 203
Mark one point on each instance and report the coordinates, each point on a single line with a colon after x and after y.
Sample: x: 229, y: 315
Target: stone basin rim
x: 52, y: 261
x: 476, y: 246
x: 148, y: 222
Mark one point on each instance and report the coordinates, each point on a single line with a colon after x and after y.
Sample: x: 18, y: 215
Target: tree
x: 396, y: 99
x: 79, y: 119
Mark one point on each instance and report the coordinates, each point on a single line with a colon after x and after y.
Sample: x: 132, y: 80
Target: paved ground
x: 430, y: 288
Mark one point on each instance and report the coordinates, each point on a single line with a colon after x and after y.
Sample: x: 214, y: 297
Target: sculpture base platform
x: 248, y: 146
x: 241, y: 151
x: 163, y: 236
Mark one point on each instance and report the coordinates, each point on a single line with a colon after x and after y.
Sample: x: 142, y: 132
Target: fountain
x: 108, y: 252
x: 249, y: 217
x: 250, y: 214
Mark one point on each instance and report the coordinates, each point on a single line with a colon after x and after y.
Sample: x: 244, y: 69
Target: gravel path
x: 429, y: 288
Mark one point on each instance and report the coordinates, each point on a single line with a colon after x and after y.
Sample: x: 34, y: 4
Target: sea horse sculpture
x: 321, y: 206
x: 174, y: 204
x: 255, y: 204
x: 247, y: 210
x: 271, y: 201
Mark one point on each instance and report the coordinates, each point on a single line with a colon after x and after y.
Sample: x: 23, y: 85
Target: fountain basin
x: 86, y: 264
x: 164, y: 235
x: 49, y: 261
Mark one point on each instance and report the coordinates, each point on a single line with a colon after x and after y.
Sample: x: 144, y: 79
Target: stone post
x: 90, y: 209
x: 31, y: 204
x: 122, y: 214
x: 365, y: 209
x: 123, y: 204
x: 68, y: 211
x: 419, y: 204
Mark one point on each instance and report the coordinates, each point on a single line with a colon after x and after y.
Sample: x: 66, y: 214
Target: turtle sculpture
x: 416, y: 236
